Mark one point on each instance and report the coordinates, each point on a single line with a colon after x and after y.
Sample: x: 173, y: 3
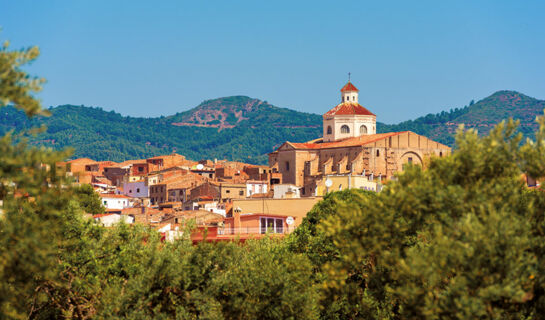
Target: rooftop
x: 349, y: 108
x: 349, y: 87
x: 350, y: 142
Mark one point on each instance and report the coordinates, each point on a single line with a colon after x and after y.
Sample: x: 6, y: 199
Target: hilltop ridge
x: 239, y: 127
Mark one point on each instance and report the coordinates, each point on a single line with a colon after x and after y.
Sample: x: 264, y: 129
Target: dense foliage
x: 482, y: 116
x: 463, y: 239
x: 88, y: 199
x: 101, y: 135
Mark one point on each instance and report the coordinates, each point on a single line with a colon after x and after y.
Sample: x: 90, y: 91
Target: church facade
x: 351, y: 146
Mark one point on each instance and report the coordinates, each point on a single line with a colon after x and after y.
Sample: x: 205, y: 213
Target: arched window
x: 329, y: 131
x: 440, y: 153
x: 363, y: 129
x: 378, y: 153
x: 345, y: 129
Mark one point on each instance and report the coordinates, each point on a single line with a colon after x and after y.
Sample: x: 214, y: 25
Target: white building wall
x: 280, y: 191
x: 137, y: 189
x: 113, y: 219
x: 253, y: 188
x: 115, y: 203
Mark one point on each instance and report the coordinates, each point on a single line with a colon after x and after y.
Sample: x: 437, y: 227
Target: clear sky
x: 408, y: 58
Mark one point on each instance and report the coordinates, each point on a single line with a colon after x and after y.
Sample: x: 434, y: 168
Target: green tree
x: 32, y: 197
x: 88, y: 199
x: 311, y: 240
x: 460, y: 240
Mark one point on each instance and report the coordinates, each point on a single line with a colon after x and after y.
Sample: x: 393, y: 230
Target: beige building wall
x: 297, y: 208
x: 354, y: 123
x: 384, y: 157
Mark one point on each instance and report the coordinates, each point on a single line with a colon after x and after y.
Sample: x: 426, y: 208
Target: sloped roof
x: 350, y: 142
x: 349, y: 108
x: 349, y: 87
x: 82, y: 160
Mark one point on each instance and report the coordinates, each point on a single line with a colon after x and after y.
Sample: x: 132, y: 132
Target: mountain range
x: 238, y: 127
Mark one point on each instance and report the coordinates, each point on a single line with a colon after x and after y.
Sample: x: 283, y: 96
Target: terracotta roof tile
x: 111, y: 195
x: 349, y: 108
x: 349, y: 87
x: 350, y: 142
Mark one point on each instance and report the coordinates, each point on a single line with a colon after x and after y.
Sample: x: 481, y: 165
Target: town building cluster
x: 232, y: 199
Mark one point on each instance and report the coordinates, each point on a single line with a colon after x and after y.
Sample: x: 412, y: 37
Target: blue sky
x: 408, y: 58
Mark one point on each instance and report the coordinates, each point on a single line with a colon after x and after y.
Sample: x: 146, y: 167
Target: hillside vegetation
x: 482, y: 116
x: 238, y: 127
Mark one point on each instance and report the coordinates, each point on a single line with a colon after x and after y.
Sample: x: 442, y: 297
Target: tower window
x: 287, y: 166
x: 363, y: 129
x: 329, y: 130
x: 378, y: 153
x: 345, y: 129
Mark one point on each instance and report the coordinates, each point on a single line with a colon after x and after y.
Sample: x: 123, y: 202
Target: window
x: 354, y: 98
x: 378, y: 153
x: 329, y: 131
x: 441, y: 153
x: 241, y: 193
x: 410, y: 160
x: 137, y: 189
x: 140, y: 169
x: 105, y: 202
x: 363, y: 129
x: 130, y: 191
x: 271, y: 225
x: 345, y: 129
x: 287, y: 166
x: 279, y: 226
x: 227, y: 191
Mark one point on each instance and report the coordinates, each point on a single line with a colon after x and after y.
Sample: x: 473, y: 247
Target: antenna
x: 349, y: 77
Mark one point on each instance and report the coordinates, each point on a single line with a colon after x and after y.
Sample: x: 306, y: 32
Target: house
x: 209, y: 190
x: 123, y: 171
x: 136, y: 189
x: 295, y: 208
x: 175, y: 189
x: 263, y: 173
x: 168, y: 161
x: 111, y: 219
x: 256, y: 187
x: 114, y: 201
x: 282, y: 191
x: 232, y: 191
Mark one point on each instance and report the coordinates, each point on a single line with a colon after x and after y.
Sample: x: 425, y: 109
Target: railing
x: 232, y: 231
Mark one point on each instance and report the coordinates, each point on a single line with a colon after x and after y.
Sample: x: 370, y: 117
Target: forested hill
x: 482, y: 115
x: 239, y: 127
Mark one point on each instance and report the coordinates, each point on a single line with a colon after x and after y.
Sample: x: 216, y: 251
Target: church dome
x: 349, y: 87
x: 349, y: 108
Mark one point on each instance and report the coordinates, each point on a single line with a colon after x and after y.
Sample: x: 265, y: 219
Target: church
x: 351, y: 146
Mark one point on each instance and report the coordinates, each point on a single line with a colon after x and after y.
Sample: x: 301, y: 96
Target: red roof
x: 349, y: 108
x: 349, y: 142
x: 111, y: 195
x: 349, y: 87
